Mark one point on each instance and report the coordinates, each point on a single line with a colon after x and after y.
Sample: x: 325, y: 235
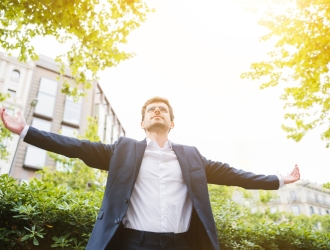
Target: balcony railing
x: 294, y: 200
x: 275, y: 201
x: 318, y: 202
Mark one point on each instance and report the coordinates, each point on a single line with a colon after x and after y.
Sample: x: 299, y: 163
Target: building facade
x: 302, y: 197
x: 59, y: 113
x: 15, y: 80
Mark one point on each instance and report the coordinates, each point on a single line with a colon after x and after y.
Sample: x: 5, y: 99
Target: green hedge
x: 239, y: 229
x: 41, y: 216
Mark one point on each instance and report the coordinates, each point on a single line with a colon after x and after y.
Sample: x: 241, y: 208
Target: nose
x: 157, y: 110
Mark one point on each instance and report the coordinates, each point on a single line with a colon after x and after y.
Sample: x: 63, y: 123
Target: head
x: 157, y: 115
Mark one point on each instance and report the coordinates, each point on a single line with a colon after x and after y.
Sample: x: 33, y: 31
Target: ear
x: 142, y: 124
x: 171, y: 125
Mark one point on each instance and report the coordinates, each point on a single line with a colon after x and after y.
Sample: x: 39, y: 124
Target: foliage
x: 235, y: 230
x: 299, y: 61
x: 4, y: 133
x: 313, y: 221
x: 266, y: 196
x: 41, y: 216
x: 326, y: 185
x: 75, y: 174
x: 94, y: 29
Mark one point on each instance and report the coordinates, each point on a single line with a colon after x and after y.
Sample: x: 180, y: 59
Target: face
x: 157, y: 118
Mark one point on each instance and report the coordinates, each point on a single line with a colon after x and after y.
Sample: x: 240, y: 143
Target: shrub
x: 40, y: 216
x: 235, y: 230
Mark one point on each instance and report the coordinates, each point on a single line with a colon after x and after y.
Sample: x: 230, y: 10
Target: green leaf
x: 26, y: 237
x: 35, y: 241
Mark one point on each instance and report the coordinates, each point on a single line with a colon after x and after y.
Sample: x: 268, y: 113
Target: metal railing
x: 318, y: 201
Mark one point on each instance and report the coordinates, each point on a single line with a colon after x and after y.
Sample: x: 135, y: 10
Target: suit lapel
x: 182, y: 158
x: 140, y: 147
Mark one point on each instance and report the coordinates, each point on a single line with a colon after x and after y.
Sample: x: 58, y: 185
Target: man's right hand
x: 13, y: 124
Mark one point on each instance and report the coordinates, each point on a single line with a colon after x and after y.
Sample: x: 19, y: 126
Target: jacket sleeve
x: 222, y: 174
x: 93, y: 154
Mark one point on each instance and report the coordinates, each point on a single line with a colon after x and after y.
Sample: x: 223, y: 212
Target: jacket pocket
x: 100, y: 215
x: 193, y: 169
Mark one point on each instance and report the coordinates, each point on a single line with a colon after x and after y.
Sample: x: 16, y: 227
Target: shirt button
x: 117, y: 221
x: 126, y: 201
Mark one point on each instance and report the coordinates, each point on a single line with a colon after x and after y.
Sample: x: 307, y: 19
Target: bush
x: 40, y: 216
x: 235, y: 230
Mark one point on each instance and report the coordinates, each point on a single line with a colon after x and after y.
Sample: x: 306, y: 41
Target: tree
x: 326, y: 185
x: 4, y: 134
x: 94, y: 29
x: 75, y: 174
x: 299, y: 61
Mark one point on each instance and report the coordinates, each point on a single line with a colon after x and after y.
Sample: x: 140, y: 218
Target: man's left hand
x: 293, y: 176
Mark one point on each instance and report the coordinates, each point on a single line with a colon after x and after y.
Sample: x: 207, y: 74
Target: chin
x: 157, y: 127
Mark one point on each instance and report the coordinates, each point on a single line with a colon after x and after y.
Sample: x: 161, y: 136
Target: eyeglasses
x: 153, y: 108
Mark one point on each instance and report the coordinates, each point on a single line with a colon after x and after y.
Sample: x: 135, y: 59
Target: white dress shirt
x: 160, y: 200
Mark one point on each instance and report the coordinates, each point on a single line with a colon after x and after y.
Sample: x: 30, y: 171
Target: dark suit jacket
x: 123, y: 160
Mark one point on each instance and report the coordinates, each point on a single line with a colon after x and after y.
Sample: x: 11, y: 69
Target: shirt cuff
x: 24, y: 132
x: 281, y: 180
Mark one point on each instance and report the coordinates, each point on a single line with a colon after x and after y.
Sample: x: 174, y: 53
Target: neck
x: 160, y: 138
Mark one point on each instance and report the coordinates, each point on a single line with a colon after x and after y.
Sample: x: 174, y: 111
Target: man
x: 156, y: 195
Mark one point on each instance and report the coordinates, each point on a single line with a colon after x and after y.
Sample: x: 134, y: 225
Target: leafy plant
x: 39, y: 215
x: 94, y: 30
x: 298, y: 61
x: 42, y: 216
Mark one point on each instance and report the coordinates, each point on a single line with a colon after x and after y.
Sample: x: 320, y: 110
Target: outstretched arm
x: 13, y: 124
x: 94, y: 154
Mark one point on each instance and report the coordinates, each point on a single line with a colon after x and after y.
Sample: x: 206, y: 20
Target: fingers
x: 2, y: 110
x: 293, y: 176
x: 296, y: 172
x: 295, y: 169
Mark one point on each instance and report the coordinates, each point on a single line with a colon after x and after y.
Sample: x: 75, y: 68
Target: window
x: 36, y: 157
x: 68, y: 131
x: 12, y: 94
x: 14, y: 77
x: 72, y: 111
x: 327, y: 211
x: 22, y: 181
x: 320, y: 210
x: 46, y: 97
x: 101, y: 122
x: 108, y: 131
x: 273, y: 210
x: 115, y: 131
x: 122, y: 132
x: 295, y: 210
x: 311, y: 210
x: 293, y: 196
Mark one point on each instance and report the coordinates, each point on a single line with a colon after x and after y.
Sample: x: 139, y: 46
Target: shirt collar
x: 167, y: 144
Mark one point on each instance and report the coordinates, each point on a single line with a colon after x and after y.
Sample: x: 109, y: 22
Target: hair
x: 157, y: 99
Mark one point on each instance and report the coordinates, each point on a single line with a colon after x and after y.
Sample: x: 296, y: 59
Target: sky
x: 193, y: 53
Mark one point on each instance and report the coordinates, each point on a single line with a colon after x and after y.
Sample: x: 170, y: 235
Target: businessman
x: 156, y: 195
